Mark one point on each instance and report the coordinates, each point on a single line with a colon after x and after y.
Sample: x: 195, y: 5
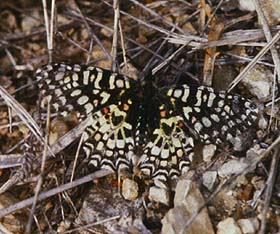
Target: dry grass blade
x: 95, y: 23
x: 49, y: 25
x: 76, y: 156
x: 237, y: 37
x: 93, y: 224
x: 254, y: 61
x: 22, y: 113
x: 27, y: 202
x: 10, y: 160
x: 149, y: 25
x: 78, y: 11
x: 59, y: 145
x: 268, y: 37
x: 136, y: 35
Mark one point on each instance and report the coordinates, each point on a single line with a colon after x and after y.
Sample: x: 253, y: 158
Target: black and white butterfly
x: 138, y: 124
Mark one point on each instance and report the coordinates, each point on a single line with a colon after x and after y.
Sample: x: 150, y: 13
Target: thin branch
x: 269, y: 187
x: 40, y: 181
x: 116, y: 7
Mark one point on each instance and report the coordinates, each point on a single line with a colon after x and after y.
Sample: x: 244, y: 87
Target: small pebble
x: 129, y: 189
x: 208, y: 152
x: 187, y: 201
x: 249, y: 226
x: 209, y: 178
x: 228, y: 226
x: 259, y: 82
x: 158, y: 194
x: 232, y: 167
x: 247, y: 5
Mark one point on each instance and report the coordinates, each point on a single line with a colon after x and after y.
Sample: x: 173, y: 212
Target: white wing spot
x: 82, y: 100
x: 59, y: 76
x: 198, y: 126
x: 221, y: 103
x: 198, y: 98
x: 76, y: 92
x: 85, y: 77
x: 210, y: 99
x: 186, y: 94
x: 66, y: 79
x: 120, y: 83
x: 105, y: 97
x: 89, y: 107
x: 206, y: 122
x: 177, y: 93
x: 187, y: 110
x: 215, y: 117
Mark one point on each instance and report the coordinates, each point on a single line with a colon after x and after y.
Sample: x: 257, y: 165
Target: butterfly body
x: 137, y: 123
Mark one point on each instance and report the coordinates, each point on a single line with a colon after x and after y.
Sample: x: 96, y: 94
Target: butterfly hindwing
x: 169, y: 151
x: 108, y: 141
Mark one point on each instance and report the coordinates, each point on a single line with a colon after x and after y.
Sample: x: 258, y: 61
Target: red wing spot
x: 115, y: 183
x: 140, y: 93
x: 125, y: 107
x: 163, y: 113
x: 105, y: 110
x: 181, y: 125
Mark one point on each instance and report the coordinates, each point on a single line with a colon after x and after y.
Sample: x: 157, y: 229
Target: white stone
x: 228, y: 226
x: 259, y: 82
x: 158, y: 194
x: 232, y: 167
x: 208, y: 152
x: 209, y: 178
x: 186, y: 202
x: 129, y: 189
x: 247, y: 5
x: 263, y: 124
x: 249, y: 226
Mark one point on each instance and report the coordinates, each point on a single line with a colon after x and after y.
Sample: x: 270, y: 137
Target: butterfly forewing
x: 83, y: 89
x: 108, y: 98
x: 213, y: 116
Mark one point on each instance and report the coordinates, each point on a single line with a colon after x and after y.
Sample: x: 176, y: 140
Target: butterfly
x: 136, y: 123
